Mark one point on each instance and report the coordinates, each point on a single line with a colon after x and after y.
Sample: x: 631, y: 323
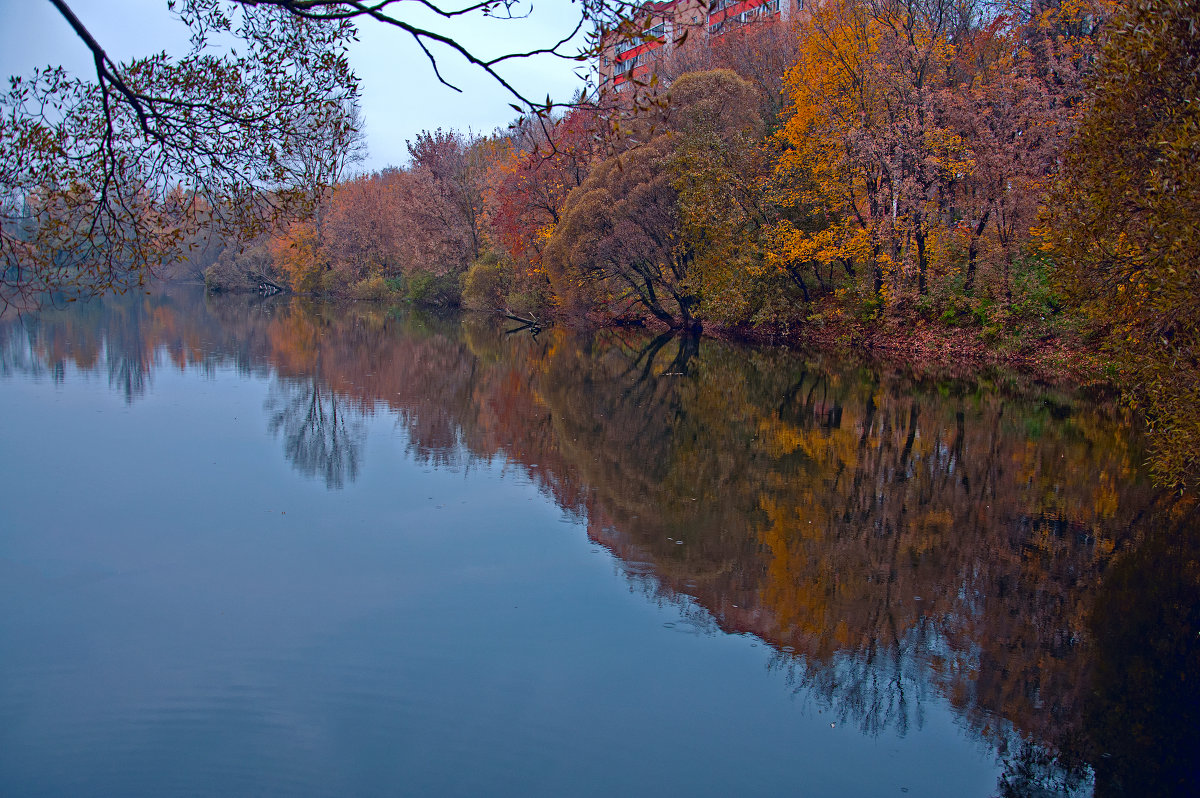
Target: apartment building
x: 622, y: 63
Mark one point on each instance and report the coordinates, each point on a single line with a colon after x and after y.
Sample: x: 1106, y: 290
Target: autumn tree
x: 531, y: 179
x: 919, y: 142
x: 1016, y: 87
x: 863, y: 131
x: 445, y: 156
x: 1124, y: 218
x: 391, y: 224
x: 618, y: 244
x: 533, y: 169
x: 717, y: 166
x: 365, y: 225
x: 296, y: 251
x: 625, y: 240
x: 246, y: 266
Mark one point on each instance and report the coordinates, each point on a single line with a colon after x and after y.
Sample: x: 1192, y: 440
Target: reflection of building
x: 677, y: 24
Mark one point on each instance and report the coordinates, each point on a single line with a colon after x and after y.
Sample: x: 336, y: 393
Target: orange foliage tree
x: 919, y: 139
x: 297, y: 253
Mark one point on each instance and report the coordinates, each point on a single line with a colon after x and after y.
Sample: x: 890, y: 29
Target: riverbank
x: 929, y: 347
x: 1050, y: 353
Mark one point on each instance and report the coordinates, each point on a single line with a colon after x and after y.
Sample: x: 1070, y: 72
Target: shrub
x: 241, y: 268
x: 435, y: 290
x: 487, y: 282
x: 376, y: 288
x: 528, y: 302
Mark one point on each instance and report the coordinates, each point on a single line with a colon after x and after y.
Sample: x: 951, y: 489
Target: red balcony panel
x: 634, y: 52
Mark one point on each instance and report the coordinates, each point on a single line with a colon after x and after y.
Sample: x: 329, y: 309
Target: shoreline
x: 917, y: 345
x: 924, y: 348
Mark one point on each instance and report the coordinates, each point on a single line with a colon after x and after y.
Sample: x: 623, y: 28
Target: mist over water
x: 255, y: 546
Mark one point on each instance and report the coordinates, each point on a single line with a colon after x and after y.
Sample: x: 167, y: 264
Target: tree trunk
x: 798, y: 280
x: 922, y: 262
x: 973, y: 253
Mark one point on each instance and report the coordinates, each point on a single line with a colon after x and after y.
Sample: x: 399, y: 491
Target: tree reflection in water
x: 322, y: 435
x: 896, y: 539
x: 1141, y: 714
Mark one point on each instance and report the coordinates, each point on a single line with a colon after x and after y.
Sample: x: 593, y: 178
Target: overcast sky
x: 400, y: 95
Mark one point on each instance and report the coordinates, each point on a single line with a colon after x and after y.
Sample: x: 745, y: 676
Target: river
x: 265, y: 546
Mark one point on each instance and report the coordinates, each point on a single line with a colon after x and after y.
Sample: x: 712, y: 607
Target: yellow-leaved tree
x: 869, y: 158
x: 920, y: 135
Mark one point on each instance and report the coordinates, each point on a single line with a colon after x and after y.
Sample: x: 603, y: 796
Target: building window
x: 628, y: 64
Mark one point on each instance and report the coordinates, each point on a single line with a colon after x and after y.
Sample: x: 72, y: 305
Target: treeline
x: 1021, y: 172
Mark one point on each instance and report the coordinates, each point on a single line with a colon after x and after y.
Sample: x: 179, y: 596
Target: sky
x: 400, y: 95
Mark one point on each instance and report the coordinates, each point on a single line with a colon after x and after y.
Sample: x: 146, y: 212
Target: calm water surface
x: 263, y: 547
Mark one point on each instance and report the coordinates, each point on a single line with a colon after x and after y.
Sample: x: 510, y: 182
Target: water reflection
x: 894, y: 539
x: 322, y: 435
x: 1141, y: 712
